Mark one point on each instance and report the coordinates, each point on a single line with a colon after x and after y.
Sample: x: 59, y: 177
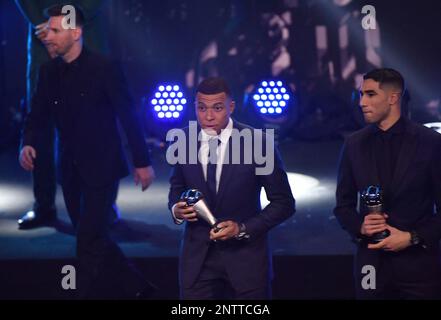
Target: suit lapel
x: 199, y: 173
x: 369, y: 163
x: 405, y: 157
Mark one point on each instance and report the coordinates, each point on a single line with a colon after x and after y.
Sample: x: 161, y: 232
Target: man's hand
x: 184, y: 212
x: 26, y: 158
x: 41, y: 31
x: 144, y: 175
x: 373, y: 223
x: 229, y: 229
x: 397, y: 241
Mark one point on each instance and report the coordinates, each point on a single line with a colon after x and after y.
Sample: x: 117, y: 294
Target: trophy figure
x: 195, y: 198
x: 372, y: 198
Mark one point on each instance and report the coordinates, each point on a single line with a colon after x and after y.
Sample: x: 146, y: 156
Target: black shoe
x: 32, y: 219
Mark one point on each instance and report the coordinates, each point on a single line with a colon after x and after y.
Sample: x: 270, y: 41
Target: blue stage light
x: 168, y: 102
x: 271, y: 97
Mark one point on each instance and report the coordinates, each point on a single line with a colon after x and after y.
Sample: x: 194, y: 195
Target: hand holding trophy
x: 195, y: 198
x: 372, y: 199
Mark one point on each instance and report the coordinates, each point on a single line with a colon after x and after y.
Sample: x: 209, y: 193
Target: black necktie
x: 211, y: 167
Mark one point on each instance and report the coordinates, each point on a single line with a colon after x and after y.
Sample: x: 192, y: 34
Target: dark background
x: 161, y: 41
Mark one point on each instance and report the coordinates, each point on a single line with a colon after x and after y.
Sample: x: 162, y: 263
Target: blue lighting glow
x: 272, y: 97
x: 168, y: 102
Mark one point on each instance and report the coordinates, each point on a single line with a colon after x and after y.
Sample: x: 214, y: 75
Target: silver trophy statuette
x: 195, y: 198
x: 372, y: 199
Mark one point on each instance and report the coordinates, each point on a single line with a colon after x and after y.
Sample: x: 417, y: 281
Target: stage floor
x: 146, y: 228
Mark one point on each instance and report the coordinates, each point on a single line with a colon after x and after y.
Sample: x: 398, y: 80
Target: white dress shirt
x: 224, y: 136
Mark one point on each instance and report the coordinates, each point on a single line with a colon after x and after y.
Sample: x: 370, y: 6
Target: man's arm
x: 177, y: 187
x: 282, y: 203
x: 39, y: 116
x: 34, y: 124
x: 346, y: 196
x: 430, y: 229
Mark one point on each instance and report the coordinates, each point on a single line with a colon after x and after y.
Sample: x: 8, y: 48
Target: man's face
x: 213, y: 111
x: 375, y: 102
x: 58, y: 39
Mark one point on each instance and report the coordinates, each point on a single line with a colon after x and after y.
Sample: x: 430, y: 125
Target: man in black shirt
x: 404, y: 159
x: 84, y: 94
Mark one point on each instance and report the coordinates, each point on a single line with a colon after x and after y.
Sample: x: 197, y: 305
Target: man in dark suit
x: 234, y: 262
x: 85, y: 94
x: 43, y: 177
x: 404, y: 159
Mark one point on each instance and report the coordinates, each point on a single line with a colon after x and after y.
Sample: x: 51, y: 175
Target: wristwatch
x: 414, y: 238
x: 242, y: 232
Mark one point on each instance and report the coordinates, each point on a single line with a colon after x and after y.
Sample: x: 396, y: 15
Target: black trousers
x: 44, y: 177
x: 104, y: 272
x: 414, y: 273
x: 213, y: 282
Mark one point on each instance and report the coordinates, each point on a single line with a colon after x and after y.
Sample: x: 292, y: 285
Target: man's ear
x: 394, y: 97
x: 77, y: 33
x: 232, y: 106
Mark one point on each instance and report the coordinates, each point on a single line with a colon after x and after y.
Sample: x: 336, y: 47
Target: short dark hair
x: 56, y: 10
x: 214, y: 85
x: 387, y: 76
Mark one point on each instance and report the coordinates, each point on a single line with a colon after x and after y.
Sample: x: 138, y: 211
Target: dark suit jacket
x: 416, y: 184
x: 248, y: 261
x: 87, y: 119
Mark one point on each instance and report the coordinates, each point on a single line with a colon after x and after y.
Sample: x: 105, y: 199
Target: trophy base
x: 380, y: 236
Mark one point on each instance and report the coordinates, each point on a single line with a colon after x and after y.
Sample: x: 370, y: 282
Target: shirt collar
x: 397, y: 128
x: 75, y: 63
x: 224, y: 136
